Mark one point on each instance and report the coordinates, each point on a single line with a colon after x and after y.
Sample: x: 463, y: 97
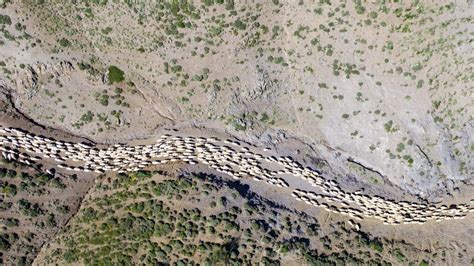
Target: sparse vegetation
x: 385, y: 81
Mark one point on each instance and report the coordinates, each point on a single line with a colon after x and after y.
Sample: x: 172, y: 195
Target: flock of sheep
x: 225, y: 156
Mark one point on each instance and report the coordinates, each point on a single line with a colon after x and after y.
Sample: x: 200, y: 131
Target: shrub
x: 359, y: 8
x: 419, y: 84
x: 87, y: 117
x: 265, y: 117
x: 104, y: 99
x: 424, y: 263
x: 106, y: 30
x: 388, y: 126
x: 115, y: 75
x: 12, y: 222
x: 5, y: 19
x: 64, y: 42
x: 399, y: 255
x: 373, y: 14
x: 376, y: 245
x: 29, y: 209
x: 240, y: 25
x: 9, y: 189
x: 229, y: 4
x: 4, y: 243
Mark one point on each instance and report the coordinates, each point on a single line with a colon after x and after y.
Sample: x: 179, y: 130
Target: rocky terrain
x: 387, y: 86
x: 374, y: 97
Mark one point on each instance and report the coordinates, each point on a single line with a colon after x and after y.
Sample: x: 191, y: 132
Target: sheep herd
x: 225, y: 156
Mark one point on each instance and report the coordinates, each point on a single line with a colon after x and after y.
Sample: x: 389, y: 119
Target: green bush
x: 240, y: 25
x: 424, y: 263
x: 106, y: 30
x: 399, y: 255
x: 64, y: 42
x: 115, y: 75
x: 5, y: 19
x: 9, y: 190
x: 87, y: 117
x: 29, y: 209
x: 104, y: 99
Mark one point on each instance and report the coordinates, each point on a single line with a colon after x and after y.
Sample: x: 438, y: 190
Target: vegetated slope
x: 387, y: 84
x: 154, y: 218
x: 36, y: 199
x: 35, y: 205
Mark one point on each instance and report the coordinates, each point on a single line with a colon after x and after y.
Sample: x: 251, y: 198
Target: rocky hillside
x: 378, y: 91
